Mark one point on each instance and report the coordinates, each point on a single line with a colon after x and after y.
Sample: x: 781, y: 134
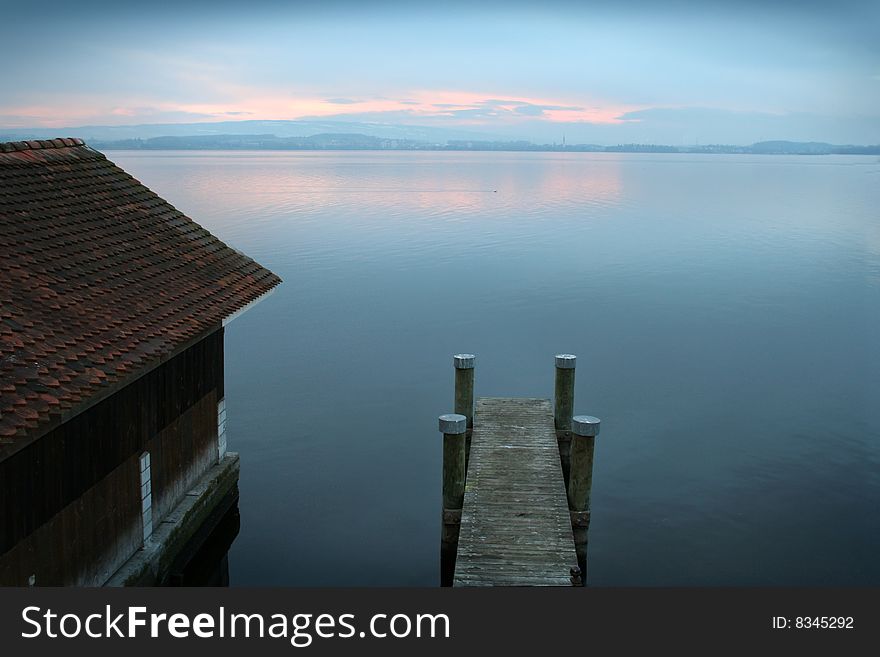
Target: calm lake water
x: 724, y: 310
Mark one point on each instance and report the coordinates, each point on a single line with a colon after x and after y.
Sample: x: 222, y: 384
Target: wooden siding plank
x: 170, y: 411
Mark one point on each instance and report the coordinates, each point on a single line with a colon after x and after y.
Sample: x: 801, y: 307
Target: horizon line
x: 447, y: 142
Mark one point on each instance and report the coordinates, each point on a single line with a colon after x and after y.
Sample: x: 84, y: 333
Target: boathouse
x: 112, y: 411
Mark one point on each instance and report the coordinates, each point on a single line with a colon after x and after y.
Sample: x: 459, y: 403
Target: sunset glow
x: 500, y: 71
x: 466, y: 108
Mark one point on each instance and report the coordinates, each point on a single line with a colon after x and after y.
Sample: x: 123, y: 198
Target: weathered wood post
x: 563, y: 408
x: 464, y: 396
x: 584, y: 429
x: 454, y: 428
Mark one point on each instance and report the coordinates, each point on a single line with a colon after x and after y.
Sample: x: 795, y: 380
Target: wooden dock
x: 515, y: 524
x: 517, y: 475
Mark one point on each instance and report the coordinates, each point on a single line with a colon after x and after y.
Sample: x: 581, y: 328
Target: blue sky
x: 673, y: 72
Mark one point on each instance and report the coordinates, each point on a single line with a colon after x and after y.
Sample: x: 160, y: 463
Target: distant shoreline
x: 453, y: 150
x: 102, y: 147
x: 348, y: 141
x: 182, y: 144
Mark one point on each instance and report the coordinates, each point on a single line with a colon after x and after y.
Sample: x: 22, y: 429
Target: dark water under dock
x: 724, y: 310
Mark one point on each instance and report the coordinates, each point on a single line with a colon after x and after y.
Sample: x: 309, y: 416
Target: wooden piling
x: 584, y: 429
x: 454, y: 428
x: 464, y: 386
x: 509, y: 516
x: 464, y: 396
x: 563, y: 409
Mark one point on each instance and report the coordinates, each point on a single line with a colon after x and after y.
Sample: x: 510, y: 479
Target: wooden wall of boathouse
x: 70, y: 502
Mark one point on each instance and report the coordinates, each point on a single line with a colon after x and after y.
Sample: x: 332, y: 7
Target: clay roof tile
x: 100, y: 280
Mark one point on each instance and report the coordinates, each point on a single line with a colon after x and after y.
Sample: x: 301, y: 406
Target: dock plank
x: 515, y: 525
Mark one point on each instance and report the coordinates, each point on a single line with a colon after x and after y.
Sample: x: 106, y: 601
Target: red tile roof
x: 100, y: 280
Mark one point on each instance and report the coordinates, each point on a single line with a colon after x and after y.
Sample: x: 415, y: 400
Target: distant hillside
x: 811, y: 148
x: 323, y: 141
x: 795, y: 148
x: 338, y: 139
x: 357, y: 141
x: 279, y: 129
x: 339, y: 135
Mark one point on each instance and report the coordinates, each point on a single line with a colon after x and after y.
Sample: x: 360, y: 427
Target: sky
x: 632, y: 71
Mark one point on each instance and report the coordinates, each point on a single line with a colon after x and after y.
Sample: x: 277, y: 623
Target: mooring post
x: 563, y: 408
x: 584, y: 429
x: 454, y: 429
x: 464, y: 396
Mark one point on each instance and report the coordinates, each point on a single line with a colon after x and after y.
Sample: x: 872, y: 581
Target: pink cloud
x: 451, y: 107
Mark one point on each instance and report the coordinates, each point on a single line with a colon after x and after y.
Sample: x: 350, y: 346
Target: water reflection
x: 427, y: 184
x: 208, y: 563
x: 724, y: 309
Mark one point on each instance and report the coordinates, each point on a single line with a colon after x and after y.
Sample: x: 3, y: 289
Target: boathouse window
x: 221, y: 429
x: 146, y: 496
